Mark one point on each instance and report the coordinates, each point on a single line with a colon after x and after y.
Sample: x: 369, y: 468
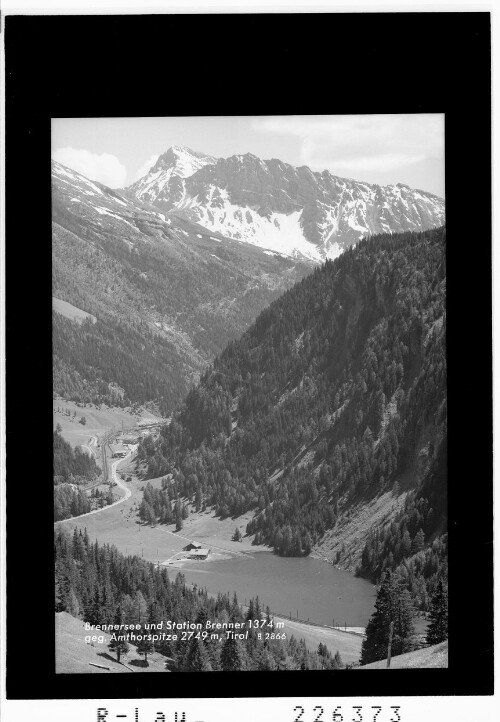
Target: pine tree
x: 72, y: 606
x: 232, y: 658
x: 119, y: 646
x: 197, y: 659
x: 404, y: 629
x: 178, y: 516
x: 418, y: 542
x: 265, y: 661
x: 140, y: 607
x: 145, y: 647
x: 93, y: 611
x: 438, y: 626
x: 393, y: 604
x: 197, y: 501
x: 250, y: 613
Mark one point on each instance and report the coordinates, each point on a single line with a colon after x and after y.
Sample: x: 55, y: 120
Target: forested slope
x: 335, y: 395
x: 166, y: 295
x: 72, y: 467
x: 71, y: 464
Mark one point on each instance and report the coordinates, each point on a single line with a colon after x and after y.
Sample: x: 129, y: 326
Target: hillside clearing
x: 72, y: 312
x: 347, y: 644
x: 99, y: 420
x: 426, y: 658
x: 76, y: 656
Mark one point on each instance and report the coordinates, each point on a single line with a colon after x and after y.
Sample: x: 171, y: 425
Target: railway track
x: 105, y: 476
x: 105, y: 463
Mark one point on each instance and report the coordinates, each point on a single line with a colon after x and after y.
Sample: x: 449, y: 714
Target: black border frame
x: 70, y: 66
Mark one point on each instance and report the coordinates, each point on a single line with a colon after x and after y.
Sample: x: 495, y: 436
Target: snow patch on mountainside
x: 279, y: 232
x: 104, y: 211
x: 333, y: 250
x: 75, y: 177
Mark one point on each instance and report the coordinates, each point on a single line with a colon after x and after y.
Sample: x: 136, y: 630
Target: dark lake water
x: 313, y: 588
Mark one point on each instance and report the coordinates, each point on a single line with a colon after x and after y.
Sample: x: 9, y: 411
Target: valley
x: 146, y: 286
x: 237, y: 567
x: 298, y: 459
x: 98, y: 420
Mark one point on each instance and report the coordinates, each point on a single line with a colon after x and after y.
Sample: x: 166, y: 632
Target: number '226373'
x: 375, y: 713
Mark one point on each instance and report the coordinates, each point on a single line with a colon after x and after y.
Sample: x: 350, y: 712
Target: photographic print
x: 249, y: 393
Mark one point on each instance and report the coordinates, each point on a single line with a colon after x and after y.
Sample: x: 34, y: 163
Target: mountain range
x: 155, y: 297
x: 272, y: 204
x: 162, y: 275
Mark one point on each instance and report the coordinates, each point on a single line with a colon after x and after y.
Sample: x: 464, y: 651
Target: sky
x: 383, y: 149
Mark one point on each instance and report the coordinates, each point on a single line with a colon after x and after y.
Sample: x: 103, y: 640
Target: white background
x: 417, y: 709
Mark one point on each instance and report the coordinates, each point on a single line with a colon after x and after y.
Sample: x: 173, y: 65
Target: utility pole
x: 391, y: 630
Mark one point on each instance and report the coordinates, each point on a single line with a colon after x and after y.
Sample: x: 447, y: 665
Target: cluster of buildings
x: 118, y: 451
x: 145, y: 427
x: 124, y: 443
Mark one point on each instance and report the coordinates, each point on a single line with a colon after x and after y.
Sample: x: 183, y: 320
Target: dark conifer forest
x: 72, y: 467
x: 114, y: 362
x: 335, y: 395
x: 72, y: 464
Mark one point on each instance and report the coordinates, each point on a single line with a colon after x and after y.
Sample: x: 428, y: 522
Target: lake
x: 304, y: 587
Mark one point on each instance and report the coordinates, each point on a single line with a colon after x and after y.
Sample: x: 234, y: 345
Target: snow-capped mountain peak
x: 272, y: 204
x: 165, y: 180
x: 182, y: 162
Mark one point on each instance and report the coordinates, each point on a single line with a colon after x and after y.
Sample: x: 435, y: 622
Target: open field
x: 72, y: 312
x: 118, y: 525
x: 99, y: 420
x: 347, y: 644
x: 212, y: 531
x: 75, y: 656
x: 428, y: 657
x: 203, y: 527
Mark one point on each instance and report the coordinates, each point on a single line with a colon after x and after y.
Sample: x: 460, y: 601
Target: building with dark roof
x: 192, y: 545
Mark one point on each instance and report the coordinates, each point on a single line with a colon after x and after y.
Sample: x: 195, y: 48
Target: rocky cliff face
x: 272, y: 204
